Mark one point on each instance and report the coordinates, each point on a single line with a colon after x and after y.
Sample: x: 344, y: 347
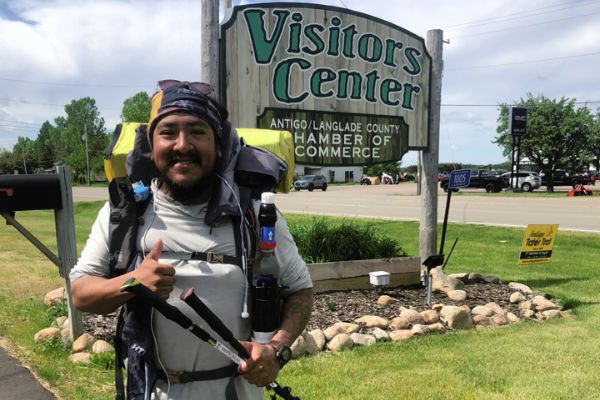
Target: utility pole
x: 428, y: 178
x: 210, y: 44
x: 87, y: 153
x: 23, y: 153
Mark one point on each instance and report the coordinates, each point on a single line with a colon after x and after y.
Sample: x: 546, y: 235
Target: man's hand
x: 262, y: 367
x: 160, y: 278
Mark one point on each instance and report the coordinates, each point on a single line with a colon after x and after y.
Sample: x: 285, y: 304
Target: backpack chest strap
x: 210, y: 257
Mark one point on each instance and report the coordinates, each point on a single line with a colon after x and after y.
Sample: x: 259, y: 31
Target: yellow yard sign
x: 537, y: 244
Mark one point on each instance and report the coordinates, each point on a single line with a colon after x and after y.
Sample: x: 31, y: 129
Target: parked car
x: 562, y: 178
x: 526, y: 180
x: 311, y: 182
x: 480, y: 179
x: 497, y: 172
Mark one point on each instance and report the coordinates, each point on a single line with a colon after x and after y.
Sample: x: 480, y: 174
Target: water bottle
x: 265, y: 306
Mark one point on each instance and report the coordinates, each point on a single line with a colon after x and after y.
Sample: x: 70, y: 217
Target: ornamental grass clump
x: 326, y: 241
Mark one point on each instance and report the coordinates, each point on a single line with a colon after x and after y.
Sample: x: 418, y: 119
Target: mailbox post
x: 47, y: 192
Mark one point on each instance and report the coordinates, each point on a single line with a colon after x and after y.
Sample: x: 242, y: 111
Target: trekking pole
x: 133, y: 286
x: 192, y: 300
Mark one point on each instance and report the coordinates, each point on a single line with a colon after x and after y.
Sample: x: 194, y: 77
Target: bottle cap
x: 267, y: 198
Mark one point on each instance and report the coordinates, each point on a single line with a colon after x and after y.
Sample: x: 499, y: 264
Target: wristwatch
x: 283, y: 354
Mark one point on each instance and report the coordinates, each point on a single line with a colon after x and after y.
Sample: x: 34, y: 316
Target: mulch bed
x: 347, y: 306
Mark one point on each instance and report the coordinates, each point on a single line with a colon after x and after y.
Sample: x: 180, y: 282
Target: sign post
x: 517, y: 127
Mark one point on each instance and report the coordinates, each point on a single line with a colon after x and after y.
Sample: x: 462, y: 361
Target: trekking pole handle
x: 192, y: 300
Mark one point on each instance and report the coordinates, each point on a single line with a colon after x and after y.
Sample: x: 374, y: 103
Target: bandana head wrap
x: 183, y: 98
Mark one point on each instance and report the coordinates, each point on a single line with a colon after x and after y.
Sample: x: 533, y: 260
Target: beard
x: 182, y: 193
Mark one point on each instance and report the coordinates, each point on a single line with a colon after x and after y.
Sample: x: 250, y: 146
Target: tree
x: 380, y: 168
x: 137, y: 108
x: 594, y: 141
x: 83, y: 118
x: 42, y: 146
x: 556, y: 134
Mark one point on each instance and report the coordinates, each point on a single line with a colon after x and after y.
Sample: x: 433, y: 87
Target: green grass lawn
x: 558, y: 359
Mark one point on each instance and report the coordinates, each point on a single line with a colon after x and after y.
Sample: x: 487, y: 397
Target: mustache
x: 194, y: 158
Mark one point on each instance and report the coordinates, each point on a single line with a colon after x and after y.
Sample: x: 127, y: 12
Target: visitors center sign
x: 352, y: 89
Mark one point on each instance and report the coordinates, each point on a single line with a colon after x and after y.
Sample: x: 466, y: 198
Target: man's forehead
x: 178, y: 118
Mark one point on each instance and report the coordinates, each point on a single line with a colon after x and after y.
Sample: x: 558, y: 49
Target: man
x: 193, y: 160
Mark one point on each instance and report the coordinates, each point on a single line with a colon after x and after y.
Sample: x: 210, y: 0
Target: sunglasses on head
x: 203, y: 88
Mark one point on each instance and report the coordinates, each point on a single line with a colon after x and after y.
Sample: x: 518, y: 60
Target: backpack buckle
x: 214, y: 257
x: 174, y: 377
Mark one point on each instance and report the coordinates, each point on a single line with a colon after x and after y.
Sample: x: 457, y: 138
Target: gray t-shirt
x: 221, y: 287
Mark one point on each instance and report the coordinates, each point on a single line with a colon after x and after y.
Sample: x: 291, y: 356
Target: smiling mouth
x: 177, y: 161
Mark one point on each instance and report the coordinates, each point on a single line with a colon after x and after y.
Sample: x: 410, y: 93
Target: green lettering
x: 410, y: 53
x: 294, y: 45
x: 391, y: 46
x: 334, y: 37
x: 408, y: 95
x: 264, y: 48
x: 364, y: 45
x: 282, y: 80
x: 309, y: 32
x: 343, y: 85
x: 317, y: 80
x: 390, y: 86
x: 372, y: 78
x: 349, y: 34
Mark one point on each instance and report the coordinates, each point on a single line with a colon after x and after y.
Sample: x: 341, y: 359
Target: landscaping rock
x: 517, y: 297
x: 385, y: 300
x: 362, y: 339
x: 65, y: 340
x: 64, y: 331
x: 458, y: 276
x: 312, y: 347
x: 444, y: 283
x: 437, y: 307
x: 527, y: 313
x: 372, y: 321
x: 102, y: 347
x: 526, y: 305
x: 492, y: 279
x: 543, y: 294
x: 466, y: 308
x: 412, y: 316
x: 400, y: 323
x: 340, y: 342
x: 380, y: 335
x: 46, y: 334
x: 475, y: 277
x: 55, y: 297
x: 319, y: 338
x: 457, y: 295
x: 332, y: 332
x: 83, y: 358
x: 438, y: 327
x: 496, y: 308
x: 420, y: 330
x: 512, y: 318
x: 482, y: 320
x: 551, y: 314
x: 430, y: 316
x: 543, y: 304
x: 299, y: 347
x: 500, y: 319
x: 521, y: 287
x: 457, y: 318
x: 60, y: 321
x: 83, y: 342
x: 482, y: 310
x: 347, y: 327
x: 401, y: 334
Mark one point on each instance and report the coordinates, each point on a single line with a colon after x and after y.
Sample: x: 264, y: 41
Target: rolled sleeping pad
x: 30, y: 192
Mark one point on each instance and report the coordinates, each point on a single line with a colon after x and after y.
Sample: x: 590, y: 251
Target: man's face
x: 185, y: 152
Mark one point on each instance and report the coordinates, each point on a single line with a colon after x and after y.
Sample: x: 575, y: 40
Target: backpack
x: 127, y: 160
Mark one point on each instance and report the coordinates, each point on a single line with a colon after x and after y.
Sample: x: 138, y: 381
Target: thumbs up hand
x: 160, y: 278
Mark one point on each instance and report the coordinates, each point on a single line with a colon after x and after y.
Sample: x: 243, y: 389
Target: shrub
x: 324, y: 241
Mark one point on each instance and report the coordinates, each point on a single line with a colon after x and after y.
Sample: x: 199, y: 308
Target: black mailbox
x: 30, y: 192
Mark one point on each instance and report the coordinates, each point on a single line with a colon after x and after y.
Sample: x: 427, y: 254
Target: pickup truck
x: 561, y: 178
x: 480, y: 179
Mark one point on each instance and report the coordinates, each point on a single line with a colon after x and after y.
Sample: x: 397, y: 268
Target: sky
x: 55, y: 51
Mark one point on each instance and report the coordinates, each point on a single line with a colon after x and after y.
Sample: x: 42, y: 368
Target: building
x: 344, y: 174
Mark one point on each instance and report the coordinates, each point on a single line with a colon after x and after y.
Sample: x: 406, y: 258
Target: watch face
x: 285, y: 353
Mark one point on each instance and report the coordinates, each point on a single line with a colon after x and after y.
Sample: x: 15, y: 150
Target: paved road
x: 16, y: 382
x: 399, y: 202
